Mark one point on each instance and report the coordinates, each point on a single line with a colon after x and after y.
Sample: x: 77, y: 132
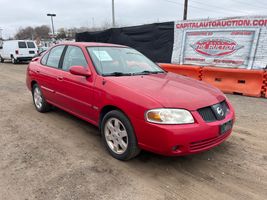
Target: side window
x: 31, y: 45
x: 54, y: 56
x: 73, y: 57
x: 44, y: 59
x: 22, y: 45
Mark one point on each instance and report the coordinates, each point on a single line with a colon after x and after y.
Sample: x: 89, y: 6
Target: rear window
x: 31, y: 45
x: 44, y: 59
x: 54, y: 56
x: 22, y: 45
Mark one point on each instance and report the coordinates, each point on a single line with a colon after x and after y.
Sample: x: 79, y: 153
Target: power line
x: 253, y: 5
x: 200, y: 8
x: 178, y: 3
x: 260, y: 1
x: 218, y: 7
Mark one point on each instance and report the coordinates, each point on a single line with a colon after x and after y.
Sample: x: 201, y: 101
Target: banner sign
x: 231, y: 48
x: 236, y: 43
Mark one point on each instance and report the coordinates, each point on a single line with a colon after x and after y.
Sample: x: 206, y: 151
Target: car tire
x: 118, y: 136
x: 1, y: 59
x: 39, y: 101
x: 13, y: 60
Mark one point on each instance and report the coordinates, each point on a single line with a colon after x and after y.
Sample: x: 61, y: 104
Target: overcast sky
x: 77, y: 13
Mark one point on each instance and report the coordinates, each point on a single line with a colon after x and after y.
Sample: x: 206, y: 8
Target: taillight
x: 17, y: 51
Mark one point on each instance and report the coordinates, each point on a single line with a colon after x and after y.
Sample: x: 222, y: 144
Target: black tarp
x: 153, y: 40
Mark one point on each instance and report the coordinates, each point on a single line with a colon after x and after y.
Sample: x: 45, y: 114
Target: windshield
x: 120, y: 61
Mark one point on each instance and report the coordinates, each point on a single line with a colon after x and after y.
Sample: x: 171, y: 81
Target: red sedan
x: 135, y: 103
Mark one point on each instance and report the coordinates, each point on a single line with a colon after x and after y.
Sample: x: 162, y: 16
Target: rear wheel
x: 1, y: 59
x: 13, y: 60
x: 39, y: 101
x: 118, y: 136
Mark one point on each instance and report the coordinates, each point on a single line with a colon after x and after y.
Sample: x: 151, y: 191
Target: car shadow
x: 82, y: 123
x: 20, y: 63
x: 150, y: 159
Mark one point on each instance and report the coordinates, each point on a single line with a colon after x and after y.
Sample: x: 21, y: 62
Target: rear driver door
x: 49, y: 73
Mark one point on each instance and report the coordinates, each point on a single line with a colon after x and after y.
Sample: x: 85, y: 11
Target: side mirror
x: 80, y: 71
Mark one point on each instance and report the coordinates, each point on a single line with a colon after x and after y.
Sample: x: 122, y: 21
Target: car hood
x: 172, y: 90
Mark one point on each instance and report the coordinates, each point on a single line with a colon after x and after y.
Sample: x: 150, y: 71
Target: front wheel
x: 39, y: 101
x: 118, y: 136
x: 1, y: 59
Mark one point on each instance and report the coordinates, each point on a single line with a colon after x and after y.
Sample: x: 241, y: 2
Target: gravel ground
x: 58, y: 156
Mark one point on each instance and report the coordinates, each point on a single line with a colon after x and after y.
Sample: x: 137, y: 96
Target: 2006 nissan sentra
x: 136, y: 104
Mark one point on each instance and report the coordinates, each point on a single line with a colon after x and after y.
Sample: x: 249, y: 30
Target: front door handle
x: 60, y: 78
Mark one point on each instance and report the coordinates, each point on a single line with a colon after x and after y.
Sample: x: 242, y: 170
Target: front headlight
x: 169, y: 116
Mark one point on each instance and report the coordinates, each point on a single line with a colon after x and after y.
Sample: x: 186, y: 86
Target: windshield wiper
x: 117, y: 74
x: 145, y: 72
x: 149, y: 72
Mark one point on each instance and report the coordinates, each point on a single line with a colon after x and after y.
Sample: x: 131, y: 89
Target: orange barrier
x: 265, y: 84
x: 235, y: 81
x: 185, y: 70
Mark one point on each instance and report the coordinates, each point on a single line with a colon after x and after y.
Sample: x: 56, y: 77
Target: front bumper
x: 181, y: 139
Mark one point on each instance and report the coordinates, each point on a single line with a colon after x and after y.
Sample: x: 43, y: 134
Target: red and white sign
x: 231, y: 48
x: 212, y: 47
x: 222, y: 42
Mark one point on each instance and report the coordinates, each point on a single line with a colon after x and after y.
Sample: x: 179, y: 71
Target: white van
x: 18, y: 50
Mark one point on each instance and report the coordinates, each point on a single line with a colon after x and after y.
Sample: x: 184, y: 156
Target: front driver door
x: 76, y: 91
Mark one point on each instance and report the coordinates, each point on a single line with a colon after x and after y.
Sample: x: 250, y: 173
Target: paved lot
x: 57, y: 156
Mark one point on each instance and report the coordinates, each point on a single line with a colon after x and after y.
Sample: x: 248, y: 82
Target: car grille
x: 209, y: 113
x: 203, y: 144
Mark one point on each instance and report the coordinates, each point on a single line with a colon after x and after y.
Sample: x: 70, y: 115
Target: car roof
x: 92, y: 44
x: 18, y: 40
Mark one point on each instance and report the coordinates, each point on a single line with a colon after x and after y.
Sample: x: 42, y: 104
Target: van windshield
x: 31, y: 45
x: 22, y: 45
x: 121, y: 61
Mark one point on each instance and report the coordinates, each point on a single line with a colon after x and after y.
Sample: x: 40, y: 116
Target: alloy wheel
x: 38, y: 99
x: 116, y: 135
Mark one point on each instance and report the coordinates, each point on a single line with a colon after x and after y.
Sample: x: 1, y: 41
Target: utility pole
x: 52, y: 22
x: 1, y: 33
x: 113, y: 14
x: 1, y: 39
x: 93, y: 22
x: 185, y: 9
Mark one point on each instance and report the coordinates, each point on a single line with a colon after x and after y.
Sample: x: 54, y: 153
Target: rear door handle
x: 37, y: 71
x: 60, y: 78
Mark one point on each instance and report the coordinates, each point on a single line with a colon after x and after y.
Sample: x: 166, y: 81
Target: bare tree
x: 25, y: 33
x: 42, y: 32
x: 61, y: 34
x: 33, y: 33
